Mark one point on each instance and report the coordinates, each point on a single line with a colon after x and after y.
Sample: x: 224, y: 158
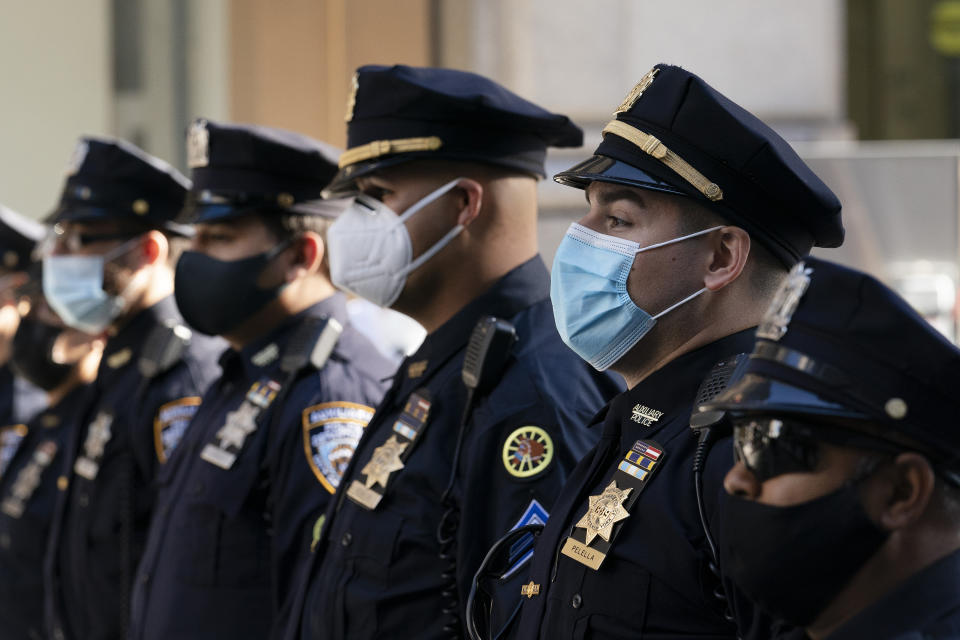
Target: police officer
x: 107, y: 271
x: 443, y: 165
x: 63, y: 362
x: 266, y: 450
x: 19, y: 400
x: 842, y: 508
x: 696, y: 209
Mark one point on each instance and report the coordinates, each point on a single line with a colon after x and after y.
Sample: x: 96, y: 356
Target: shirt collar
x: 264, y: 353
x: 520, y: 288
x: 675, y: 385
x: 124, y: 348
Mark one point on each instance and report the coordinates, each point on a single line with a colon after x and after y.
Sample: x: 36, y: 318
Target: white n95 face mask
x: 370, y: 251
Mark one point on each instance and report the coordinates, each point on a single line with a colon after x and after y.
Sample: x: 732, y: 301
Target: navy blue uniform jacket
x: 28, y: 493
x: 655, y: 581
x: 378, y: 574
x: 107, y: 494
x: 225, y: 541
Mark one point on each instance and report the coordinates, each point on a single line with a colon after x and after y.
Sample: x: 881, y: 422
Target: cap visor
x: 756, y: 393
x: 605, y: 169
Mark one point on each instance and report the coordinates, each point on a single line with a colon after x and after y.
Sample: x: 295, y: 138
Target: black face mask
x: 793, y: 561
x: 215, y: 296
x: 32, y: 355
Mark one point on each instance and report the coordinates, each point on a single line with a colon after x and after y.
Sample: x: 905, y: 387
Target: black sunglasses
x: 770, y: 447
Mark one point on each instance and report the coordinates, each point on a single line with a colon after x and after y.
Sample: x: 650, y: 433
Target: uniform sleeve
x: 312, y: 444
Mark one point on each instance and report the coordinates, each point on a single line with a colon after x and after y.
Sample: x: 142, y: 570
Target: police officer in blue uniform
x: 842, y: 510
x: 478, y: 432
x: 696, y: 209
x: 19, y: 400
x: 265, y: 452
x: 107, y: 271
x: 63, y: 362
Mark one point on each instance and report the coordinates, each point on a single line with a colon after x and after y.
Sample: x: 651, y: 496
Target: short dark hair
x: 766, y: 271
x: 287, y: 225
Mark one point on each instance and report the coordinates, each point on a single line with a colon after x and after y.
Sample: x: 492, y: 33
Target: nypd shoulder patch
x: 171, y: 423
x: 331, y: 431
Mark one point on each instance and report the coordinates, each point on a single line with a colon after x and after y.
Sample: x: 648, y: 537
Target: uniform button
x: 5, y: 541
x: 346, y: 539
x: 58, y: 634
x: 83, y: 499
x: 197, y: 489
x: 576, y: 601
x: 144, y: 577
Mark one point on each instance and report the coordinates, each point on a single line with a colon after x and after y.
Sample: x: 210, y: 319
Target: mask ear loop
x: 442, y: 242
x: 669, y: 242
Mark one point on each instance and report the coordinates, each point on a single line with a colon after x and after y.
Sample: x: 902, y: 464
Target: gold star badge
x: 605, y: 510
x: 384, y: 461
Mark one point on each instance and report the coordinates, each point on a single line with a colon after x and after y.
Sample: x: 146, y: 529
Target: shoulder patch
x: 331, y: 431
x: 527, y: 451
x: 170, y: 424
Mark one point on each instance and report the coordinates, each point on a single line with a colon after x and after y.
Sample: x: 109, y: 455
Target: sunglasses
x: 770, y: 447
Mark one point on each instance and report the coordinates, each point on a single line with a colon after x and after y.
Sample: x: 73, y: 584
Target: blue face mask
x: 588, y: 287
x: 73, y: 287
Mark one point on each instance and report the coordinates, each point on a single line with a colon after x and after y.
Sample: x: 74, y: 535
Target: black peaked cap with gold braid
x: 400, y: 113
x: 676, y: 134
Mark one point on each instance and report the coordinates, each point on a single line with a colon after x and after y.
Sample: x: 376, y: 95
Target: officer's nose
x: 741, y: 482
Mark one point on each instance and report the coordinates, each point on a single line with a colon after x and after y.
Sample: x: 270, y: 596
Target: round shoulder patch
x: 331, y: 432
x: 527, y: 451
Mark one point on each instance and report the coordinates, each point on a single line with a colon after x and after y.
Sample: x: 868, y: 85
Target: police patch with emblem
x: 331, y: 431
x: 170, y: 424
x: 527, y: 451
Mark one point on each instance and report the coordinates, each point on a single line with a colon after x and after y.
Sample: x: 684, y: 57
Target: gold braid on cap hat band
x: 652, y: 146
x: 379, y: 148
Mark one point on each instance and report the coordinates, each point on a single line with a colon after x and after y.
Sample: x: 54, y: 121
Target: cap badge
x: 198, y: 145
x: 352, y: 98
x: 637, y: 91
x: 10, y: 259
x: 777, y: 318
x: 896, y: 408
x: 77, y: 158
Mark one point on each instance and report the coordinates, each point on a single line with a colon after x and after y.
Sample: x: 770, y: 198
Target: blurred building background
x: 867, y: 90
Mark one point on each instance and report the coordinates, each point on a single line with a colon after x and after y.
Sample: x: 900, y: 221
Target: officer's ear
x: 154, y: 248
x: 727, y: 256
x: 306, y: 255
x: 470, y: 198
x: 907, y: 487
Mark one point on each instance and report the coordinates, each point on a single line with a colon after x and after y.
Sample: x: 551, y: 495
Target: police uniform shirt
x: 924, y: 606
x: 27, y: 497
x: 233, y: 518
x: 378, y: 573
x: 654, y: 581
x: 104, y: 509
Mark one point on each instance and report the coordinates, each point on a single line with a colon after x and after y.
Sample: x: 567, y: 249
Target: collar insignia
x: 645, y: 415
x: 120, y: 358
